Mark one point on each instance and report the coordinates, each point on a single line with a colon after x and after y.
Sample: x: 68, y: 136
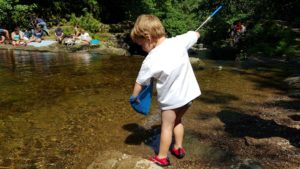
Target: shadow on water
x: 196, y: 148
x: 139, y: 135
x: 295, y: 117
x: 240, y: 125
x: 286, y: 104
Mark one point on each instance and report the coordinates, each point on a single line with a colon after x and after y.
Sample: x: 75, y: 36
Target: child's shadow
x: 150, y: 137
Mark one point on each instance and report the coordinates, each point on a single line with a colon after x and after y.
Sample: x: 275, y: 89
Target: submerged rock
x: 247, y: 164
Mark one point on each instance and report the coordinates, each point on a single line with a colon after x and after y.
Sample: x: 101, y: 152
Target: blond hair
x: 147, y: 26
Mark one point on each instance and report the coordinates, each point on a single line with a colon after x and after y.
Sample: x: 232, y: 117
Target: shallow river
x: 58, y: 110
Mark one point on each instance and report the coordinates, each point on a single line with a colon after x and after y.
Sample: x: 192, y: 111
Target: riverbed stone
x: 110, y: 51
x: 119, y: 160
x: 197, y: 63
x: 247, y: 164
x: 293, y: 86
x: 293, y: 82
x: 275, y: 141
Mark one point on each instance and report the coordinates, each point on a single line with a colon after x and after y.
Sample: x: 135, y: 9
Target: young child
x: 59, y: 33
x: 168, y: 63
x: 17, y: 37
x: 37, y: 35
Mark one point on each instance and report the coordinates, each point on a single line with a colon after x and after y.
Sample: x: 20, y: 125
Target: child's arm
x: 188, y: 39
x: 198, y: 34
x: 136, y: 90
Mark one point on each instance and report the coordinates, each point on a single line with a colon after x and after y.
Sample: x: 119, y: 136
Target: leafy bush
x: 89, y: 23
x: 13, y: 13
x: 271, y: 38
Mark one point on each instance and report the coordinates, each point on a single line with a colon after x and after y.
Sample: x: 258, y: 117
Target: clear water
x: 58, y: 110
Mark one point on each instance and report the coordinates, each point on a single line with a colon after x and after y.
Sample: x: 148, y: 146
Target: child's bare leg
x: 168, y: 121
x: 179, y: 128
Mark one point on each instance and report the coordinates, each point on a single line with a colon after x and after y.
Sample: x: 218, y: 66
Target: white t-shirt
x: 169, y: 64
x: 85, y: 36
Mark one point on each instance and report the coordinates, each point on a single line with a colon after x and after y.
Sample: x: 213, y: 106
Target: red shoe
x: 178, y: 153
x: 163, y: 162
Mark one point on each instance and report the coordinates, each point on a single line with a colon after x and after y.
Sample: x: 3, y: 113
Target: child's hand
x: 133, y: 99
x: 198, y: 34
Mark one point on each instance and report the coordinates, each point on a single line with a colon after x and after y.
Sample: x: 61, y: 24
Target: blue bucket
x: 142, y: 103
x: 95, y: 42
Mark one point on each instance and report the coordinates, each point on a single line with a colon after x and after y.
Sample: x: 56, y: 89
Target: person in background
x: 168, y: 63
x: 4, y: 35
x: 17, y: 37
x: 37, y: 35
x: 59, y: 33
x: 238, y: 29
x: 76, y: 31
x: 84, y: 36
x: 243, y: 29
x: 39, y: 22
x: 27, y: 34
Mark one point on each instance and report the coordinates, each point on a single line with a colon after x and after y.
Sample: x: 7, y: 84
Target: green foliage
x: 89, y: 23
x: 271, y: 38
x: 68, y: 30
x: 178, y: 16
x: 13, y: 13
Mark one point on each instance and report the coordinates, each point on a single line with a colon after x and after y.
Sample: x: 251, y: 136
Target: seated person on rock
x: 84, y: 37
x: 37, y: 35
x: 76, y: 31
x: 17, y: 37
x: 3, y: 35
x: 39, y: 22
x: 59, y: 33
x: 27, y: 34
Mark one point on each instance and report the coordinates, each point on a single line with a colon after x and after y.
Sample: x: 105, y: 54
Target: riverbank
x: 101, y: 49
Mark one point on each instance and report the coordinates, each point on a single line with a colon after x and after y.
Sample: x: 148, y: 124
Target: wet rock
x: 111, y: 51
x: 293, y: 86
x: 247, y: 164
x: 102, y: 49
x: 197, y: 63
x: 275, y: 141
x: 118, y: 160
x: 293, y: 82
x: 200, y: 51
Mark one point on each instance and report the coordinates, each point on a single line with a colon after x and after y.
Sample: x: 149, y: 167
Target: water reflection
x: 52, y: 104
x: 42, y: 62
x: 81, y: 58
